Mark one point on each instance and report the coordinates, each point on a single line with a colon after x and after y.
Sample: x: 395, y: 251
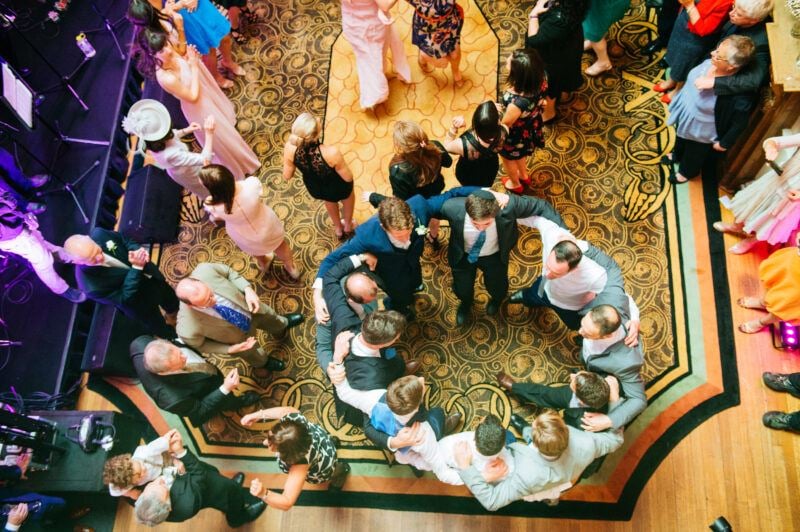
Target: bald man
x: 221, y: 313
x: 115, y: 270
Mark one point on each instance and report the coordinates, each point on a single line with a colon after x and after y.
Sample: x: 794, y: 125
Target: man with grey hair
x: 180, y: 381
x: 202, y: 486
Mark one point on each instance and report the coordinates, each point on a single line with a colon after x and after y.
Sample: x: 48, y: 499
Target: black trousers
x: 555, y: 397
x: 495, y: 277
x: 666, y: 19
x: 691, y: 156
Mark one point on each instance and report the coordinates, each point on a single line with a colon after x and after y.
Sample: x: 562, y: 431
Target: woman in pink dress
x: 368, y: 28
x: 250, y: 223
x: 187, y: 79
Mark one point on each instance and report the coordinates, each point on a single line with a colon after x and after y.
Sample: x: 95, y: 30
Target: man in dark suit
x: 115, y: 270
x: 482, y: 236
x: 202, y: 486
x: 396, y: 236
x: 180, y: 381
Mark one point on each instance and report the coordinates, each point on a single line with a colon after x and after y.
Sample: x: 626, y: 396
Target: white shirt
x: 596, y: 347
x: 490, y: 245
x: 447, y: 447
x: 567, y: 292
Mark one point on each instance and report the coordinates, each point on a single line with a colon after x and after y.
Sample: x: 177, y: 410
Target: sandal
x: 751, y: 303
x: 752, y: 327
x: 731, y: 229
x: 594, y: 70
x: 661, y: 87
x: 237, y: 71
x: 238, y: 37
x: 294, y: 273
x: 224, y: 83
x: 425, y: 67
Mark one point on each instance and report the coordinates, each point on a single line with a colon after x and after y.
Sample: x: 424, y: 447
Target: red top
x: 713, y: 14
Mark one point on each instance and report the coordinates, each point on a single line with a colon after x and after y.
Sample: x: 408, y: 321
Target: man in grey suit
x: 482, y: 236
x: 220, y: 313
x: 541, y: 471
x: 605, y: 351
x: 576, y: 277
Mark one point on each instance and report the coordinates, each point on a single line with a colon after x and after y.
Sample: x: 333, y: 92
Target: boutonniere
x: 421, y: 230
x: 111, y: 246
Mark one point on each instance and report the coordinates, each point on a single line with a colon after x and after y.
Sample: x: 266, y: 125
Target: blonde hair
x: 412, y: 146
x: 550, y: 434
x: 304, y: 129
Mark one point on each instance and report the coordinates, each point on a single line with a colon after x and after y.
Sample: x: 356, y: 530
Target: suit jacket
x: 614, y: 291
x: 399, y: 269
x: 381, y: 439
x: 206, y: 333
x: 194, y: 395
x: 506, y: 222
x: 202, y: 486
x: 533, y: 473
x: 343, y: 317
x: 127, y: 289
x: 625, y: 364
x: 367, y: 373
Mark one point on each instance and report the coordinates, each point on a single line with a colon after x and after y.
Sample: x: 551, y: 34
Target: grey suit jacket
x: 625, y: 364
x: 506, y: 221
x: 614, y: 291
x: 533, y: 473
x: 207, y: 333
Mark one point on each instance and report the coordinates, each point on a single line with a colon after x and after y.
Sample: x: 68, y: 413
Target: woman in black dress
x: 416, y: 167
x: 478, y: 147
x: 325, y: 172
x: 556, y: 32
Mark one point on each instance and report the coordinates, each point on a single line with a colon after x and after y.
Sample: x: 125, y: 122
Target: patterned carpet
x: 601, y: 170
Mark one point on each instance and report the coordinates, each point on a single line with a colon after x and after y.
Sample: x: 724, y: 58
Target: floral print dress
x: 436, y: 26
x: 525, y: 133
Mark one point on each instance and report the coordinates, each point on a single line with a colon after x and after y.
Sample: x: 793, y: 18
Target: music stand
x: 109, y: 27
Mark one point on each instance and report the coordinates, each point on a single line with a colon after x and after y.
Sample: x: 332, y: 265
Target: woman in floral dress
x: 436, y: 31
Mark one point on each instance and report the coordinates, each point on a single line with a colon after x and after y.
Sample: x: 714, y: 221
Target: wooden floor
x: 731, y: 465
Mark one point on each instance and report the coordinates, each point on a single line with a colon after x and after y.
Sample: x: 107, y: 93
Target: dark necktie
x: 233, y: 317
x: 475, y: 251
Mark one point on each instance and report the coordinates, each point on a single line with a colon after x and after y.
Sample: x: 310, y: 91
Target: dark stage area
x: 47, y: 333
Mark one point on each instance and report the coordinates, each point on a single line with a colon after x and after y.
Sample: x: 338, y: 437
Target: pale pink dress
x: 370, y: 39
x: 254, y: 226
x: 229, y: 147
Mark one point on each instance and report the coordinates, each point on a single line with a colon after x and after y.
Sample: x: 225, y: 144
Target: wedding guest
x: 249, y: 221
x: 599, y: 18
x: 436, y: 31
x: 325, y: 172
x: 477, y: 148
x: 125, y: 473
x: 305, y: 452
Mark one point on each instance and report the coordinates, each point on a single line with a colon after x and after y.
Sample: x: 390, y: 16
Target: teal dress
x: 601, y: 15
x: 206, y: 27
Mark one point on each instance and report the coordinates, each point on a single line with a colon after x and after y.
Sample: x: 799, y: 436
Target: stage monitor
x: 17, y: 95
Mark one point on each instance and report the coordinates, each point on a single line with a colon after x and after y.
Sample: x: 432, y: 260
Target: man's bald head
x: 84, y: 250
x: 361, y: 288
x: 195, y: 293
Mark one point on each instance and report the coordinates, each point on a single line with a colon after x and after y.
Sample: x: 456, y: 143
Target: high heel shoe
x: 293, y: 272
x: 265, y: 262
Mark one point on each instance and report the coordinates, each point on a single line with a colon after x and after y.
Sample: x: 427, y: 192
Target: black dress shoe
x: 238, y: 478
x: 779, y: 420
x: 417, y: 472
x: 340, y: 473
x: 293, y: 320
x: 780, y: 383
x: 274, y: 364
x: 253, y: 511
x: 493, y: 307
x: 248, y: 398
x: 652, y: 47
x: 517, y: 297
x: 518, y: 422
x: 451, y: 423
x: 462, y: 314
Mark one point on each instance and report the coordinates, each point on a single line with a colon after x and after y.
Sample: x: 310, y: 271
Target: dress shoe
x: 293, y: 320
x: 247, y: 398
x: 517, y: 297
x: 417, y: 473
x: 340, y: 473
x: 412, y: 367
x: 274, y: 364
x: 38, y: 180
x: 262, y: 374
x: 492, y: 307
x: 35, y: 208
x: 462, y: 314
x: 238, y: 478
x: 780, y: 383
x: 652, y: 47
x: 74, y: 295
x: 505, y: 381
x: 253, y: 511
x: 518, y: 422
x: 778, y: 420
x: 451, y: 423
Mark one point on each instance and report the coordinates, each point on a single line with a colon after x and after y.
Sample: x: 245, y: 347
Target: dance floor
x: 601, y: 170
